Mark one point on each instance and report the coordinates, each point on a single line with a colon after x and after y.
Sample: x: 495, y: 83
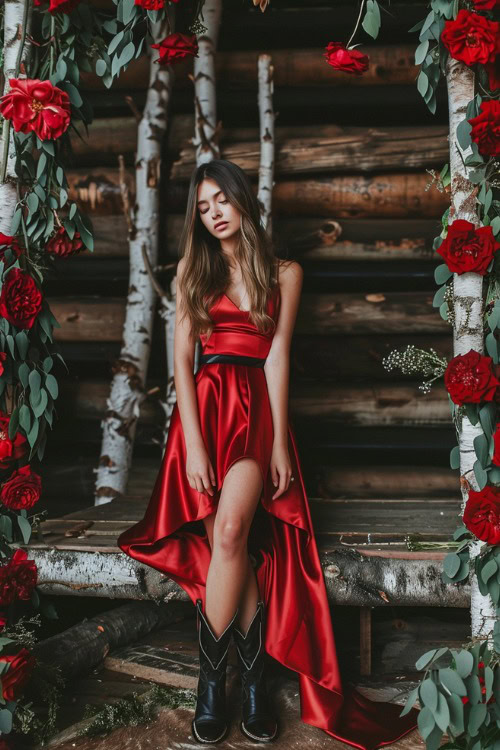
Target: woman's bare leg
x: 231, y: 580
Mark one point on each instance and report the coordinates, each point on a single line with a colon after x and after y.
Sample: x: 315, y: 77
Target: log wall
x: 353, y: 203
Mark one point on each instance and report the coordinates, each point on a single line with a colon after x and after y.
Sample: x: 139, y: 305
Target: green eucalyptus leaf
x: 476, y: 718
x: 51, y: 386
x: 425, y: 722
x: 410, y: 701
x: 25, y: 527
x: 451, y: 564
x: 482, y: 449
x: 480, y: 474
x: 452, y: 681
x: 464, y: 662
x: 455, y: 457
x: 442, y: 273
x: 25, y: 418
x: 428, y: 694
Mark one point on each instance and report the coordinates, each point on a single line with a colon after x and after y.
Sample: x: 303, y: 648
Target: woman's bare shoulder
x: 290, y: 272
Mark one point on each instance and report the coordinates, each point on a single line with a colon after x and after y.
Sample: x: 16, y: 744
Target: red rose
x: 482, y: 514
x: 60, y: 243
x: 10, y: 450
x: 496, y: 452
x: 471, y: 38
x: 349, y: 60
x: 176, y: 47
x: 469, y: 378
x: 152, y: 4
x: 36, y: 105
x: 20, y: 299
x: 7, y: 241
x: 493, y: 70
x: 18, y: 578
x: 18, y: 673
x: 62, y: 6
x: 3, y: 357
x: 22, y: 489
x: 486, y: 128
x: 59, y: 6
x: 467, y: 248
x: 485, y: 4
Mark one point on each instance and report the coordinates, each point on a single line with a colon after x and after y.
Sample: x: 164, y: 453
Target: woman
x: 228, y: 518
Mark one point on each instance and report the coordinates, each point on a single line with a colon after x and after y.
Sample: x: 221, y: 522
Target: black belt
x: 232, y: 359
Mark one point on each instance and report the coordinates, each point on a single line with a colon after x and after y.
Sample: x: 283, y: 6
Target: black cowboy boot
x: 210, y: 723
x: 257, y: 721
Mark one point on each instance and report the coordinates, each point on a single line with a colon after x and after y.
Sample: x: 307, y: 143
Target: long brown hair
x: 206, y: 274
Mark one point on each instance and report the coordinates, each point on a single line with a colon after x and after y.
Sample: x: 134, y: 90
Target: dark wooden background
x: 352, y: 153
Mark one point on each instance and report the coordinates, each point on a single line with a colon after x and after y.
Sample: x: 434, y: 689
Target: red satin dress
x: 236, y: 422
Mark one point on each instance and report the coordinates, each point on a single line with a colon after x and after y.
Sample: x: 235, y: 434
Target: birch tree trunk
x: 266, y: 117
x: 468, y: 310
x: 127, y: 387
x: 16, y: 48
x: 206, y: 138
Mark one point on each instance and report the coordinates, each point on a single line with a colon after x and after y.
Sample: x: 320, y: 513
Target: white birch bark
x: 468, y: 310
x: 266, y: 118
x: 206, y: 138
x: 17, y: 23
x: 127, y: 387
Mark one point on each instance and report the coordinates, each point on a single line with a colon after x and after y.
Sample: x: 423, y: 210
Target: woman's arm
x: 198, y: 467
x: 277, y: 370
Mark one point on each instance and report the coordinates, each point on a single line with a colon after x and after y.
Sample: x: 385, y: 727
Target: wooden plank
x: 351, y: 149
x: 389, y: 65
x: 95, y: 319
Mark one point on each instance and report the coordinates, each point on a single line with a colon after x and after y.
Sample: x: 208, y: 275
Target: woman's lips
x: 221, y: 226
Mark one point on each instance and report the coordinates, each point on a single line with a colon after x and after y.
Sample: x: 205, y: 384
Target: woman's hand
x: 281, y: 469
x: 199, y: 470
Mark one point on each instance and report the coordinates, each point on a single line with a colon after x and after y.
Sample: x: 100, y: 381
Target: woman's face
x: 219, y: 216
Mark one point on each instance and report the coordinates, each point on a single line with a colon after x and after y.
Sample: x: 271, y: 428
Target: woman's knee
x: 230, y: 535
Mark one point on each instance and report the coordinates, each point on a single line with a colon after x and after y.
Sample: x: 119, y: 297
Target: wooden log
x: 303, y: 237
x: 108, y: 137
x: 96, y: 319
x: 383, y: 404
x: 361, y: 361
x: 354, y: 149
x: 97, y: 190
x: 323, y: 480
x: 389, y: 195
x: 389, y: 64
x: 353, y: 577
x: 392, y: 195
x: 373, y: 480
x: 86, y: 644
x: 312, y: 357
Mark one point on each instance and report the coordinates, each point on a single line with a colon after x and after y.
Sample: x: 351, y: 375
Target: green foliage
x: 135, y: 709
x: 459, y: 695
x: 371, y: 21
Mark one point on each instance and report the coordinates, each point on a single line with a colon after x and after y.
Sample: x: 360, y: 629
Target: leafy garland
x: 37, y: 113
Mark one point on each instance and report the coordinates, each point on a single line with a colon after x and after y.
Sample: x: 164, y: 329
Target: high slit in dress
x: 236, y: 422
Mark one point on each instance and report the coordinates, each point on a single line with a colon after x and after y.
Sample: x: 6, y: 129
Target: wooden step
x: 361, y: 543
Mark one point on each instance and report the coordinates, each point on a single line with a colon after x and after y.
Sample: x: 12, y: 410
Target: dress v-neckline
x: 234, y: 303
